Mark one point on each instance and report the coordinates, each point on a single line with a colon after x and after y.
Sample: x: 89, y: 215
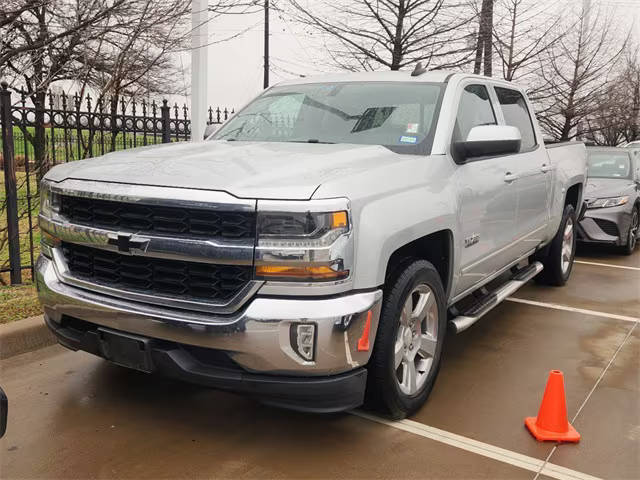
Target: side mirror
x: 487, y: 141
x: 210, y: 129
x: 4, y: 405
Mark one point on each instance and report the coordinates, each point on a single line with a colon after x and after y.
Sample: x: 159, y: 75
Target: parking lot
x: 72, y: 415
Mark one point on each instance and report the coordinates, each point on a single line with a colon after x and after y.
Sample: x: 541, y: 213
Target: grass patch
x: 18, y: 302
x: 24, y: 204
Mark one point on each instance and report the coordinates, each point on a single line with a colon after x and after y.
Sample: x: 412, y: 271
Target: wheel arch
x: 573, y: 196
x: 436, y: 248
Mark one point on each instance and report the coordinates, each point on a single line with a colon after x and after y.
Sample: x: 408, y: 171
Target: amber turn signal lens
x: 300, y: 273
x: 339, y: 219
x: 49, y: 239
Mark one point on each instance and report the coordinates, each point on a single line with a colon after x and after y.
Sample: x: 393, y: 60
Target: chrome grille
x: 156, y: 219
x: 161, y: 277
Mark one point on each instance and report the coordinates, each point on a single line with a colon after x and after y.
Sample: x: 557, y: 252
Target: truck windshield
x: 609, y: 165
x: 400, y: 116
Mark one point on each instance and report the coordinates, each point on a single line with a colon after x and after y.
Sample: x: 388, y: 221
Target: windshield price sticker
x: 413, y: 127
x: 406, y: 139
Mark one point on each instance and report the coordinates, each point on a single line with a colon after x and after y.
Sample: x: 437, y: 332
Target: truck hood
x: 608, y: 187
x: 268, y: 170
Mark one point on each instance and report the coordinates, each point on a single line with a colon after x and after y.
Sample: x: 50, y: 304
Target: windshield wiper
x: 311, y: 140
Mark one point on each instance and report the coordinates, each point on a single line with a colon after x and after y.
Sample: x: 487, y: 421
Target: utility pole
x: 199, y: 67
x: 266, y: 44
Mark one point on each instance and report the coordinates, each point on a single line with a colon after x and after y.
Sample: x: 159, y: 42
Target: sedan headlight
x: 304, y: 246
x: 608, y: 202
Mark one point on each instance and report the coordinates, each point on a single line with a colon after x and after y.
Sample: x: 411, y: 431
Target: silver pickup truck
x: 313, y: 251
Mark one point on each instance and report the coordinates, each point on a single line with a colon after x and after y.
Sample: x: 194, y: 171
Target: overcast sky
x: 235, y: 66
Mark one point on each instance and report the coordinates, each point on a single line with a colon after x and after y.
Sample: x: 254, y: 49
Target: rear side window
x: 474, y: 110
x: 516, y: 114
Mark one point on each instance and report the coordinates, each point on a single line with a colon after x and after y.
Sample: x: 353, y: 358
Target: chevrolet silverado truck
x: 313, y: 251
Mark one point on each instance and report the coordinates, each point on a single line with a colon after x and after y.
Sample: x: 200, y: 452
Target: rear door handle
x: 545, y: 168
x: 510, y: 177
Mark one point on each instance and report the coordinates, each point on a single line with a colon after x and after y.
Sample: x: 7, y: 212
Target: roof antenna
x: 419, y: 70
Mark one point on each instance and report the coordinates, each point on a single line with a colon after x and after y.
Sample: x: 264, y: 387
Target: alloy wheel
x: 416, y: 340
x: 567, y: 246
x: 633, y: 230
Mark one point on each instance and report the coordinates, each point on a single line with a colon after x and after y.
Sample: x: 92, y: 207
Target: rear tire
x: 408, y: 348
x: 558, y: 260
x: 632, y: 234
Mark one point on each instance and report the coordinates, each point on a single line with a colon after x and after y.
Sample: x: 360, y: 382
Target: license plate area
x: 126, y: 350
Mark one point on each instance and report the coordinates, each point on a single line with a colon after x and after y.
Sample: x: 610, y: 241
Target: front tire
x: 559, y: 257
x: 632, y: 234
x: 408, y: 348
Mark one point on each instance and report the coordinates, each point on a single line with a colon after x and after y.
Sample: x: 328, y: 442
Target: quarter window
x: 475, y: 109
x: 516, y: 114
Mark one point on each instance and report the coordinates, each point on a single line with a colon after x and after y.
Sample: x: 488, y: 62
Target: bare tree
x: 484, y: 43
x: 41, y: 44
x: 110, y: 46
x: 574, y: 72
x: 522, y: 33
x: 370, y: 34
x: 616, y: 118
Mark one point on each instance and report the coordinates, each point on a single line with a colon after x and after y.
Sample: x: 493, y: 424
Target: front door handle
x: 510, y: 177
x: 545, y: 168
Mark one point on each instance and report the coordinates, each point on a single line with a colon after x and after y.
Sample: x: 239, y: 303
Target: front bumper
x: 257, y: 338
x: 320, y: 394
x: 605, y: 225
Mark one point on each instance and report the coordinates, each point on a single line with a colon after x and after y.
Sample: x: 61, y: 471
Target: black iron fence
x: 40, y: 131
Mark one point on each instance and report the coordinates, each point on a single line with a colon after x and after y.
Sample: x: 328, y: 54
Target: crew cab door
x: 531, y: 168
x: 487, y: 195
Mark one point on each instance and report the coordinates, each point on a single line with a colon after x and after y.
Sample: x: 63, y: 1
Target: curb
x: 24, y: 336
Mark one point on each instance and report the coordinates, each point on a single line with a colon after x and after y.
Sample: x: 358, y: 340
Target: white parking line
x: 486, y: 450
x: 598, y: 264
x: 555, y: 306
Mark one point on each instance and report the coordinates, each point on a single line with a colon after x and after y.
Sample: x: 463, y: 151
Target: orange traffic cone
x: 551, y: 422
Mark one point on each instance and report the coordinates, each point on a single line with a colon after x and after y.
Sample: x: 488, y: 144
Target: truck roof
x: 434, y: 76
x: 437, y: 76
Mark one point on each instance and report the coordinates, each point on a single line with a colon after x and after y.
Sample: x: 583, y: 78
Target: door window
x: 475, y: 109
x: 516, y: 114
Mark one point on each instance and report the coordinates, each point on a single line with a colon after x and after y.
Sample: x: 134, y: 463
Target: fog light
x: 303, y: 342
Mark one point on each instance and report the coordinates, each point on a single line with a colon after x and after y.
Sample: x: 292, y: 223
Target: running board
x: 464, y: 320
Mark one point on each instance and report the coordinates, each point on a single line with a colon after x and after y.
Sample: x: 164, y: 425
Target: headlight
x: 49, y: 205
x: 49, y: 201
x: 608, y: 202
x: 303, y: 246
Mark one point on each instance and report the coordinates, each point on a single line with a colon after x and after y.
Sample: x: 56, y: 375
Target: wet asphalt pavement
x: 73, y: 415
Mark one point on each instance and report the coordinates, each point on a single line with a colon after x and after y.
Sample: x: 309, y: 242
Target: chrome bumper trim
x: 258, y: 338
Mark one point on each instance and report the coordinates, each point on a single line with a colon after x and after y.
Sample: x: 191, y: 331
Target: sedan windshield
x: 401, y: 116
x: 609, y: 165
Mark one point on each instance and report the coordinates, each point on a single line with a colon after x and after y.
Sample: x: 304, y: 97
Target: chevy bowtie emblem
x: 126, y: 244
